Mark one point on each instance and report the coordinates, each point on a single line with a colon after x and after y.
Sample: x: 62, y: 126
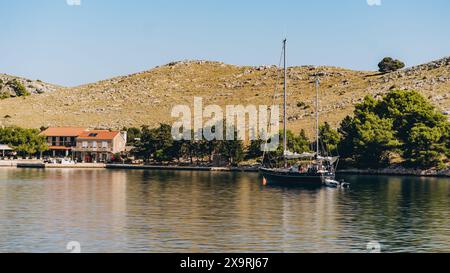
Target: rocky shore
x: 393, y: 170
x: 399, y: 171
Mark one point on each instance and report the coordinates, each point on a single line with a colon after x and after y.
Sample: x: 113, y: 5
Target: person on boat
x: 294, y: 169
x: 303, y: 169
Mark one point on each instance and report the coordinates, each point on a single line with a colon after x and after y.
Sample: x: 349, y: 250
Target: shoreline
x: 41, y: 165
x: 396, y: 171
x: 391, y: 171
x: 182, y: 168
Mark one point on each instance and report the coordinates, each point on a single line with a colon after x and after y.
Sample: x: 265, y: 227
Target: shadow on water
x: 294, y: 188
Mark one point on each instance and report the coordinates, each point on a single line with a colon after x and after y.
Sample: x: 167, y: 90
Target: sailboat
x: 313, y: 168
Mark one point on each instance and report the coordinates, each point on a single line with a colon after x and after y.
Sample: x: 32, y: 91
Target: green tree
x: 163, y: 143
x: 155, y: 143
x: 133, y: 133
x: 303, y: 144
x: 24, y: 141
x: 412, y: 127
x: 233, y: 149
x: 144, y: 148
x: 390, y: 65
x: 408, y: 108
x: 348, y: 133
x: 329, y: 137
x: 413, y: 116
x: 367, y: 138
x: 375, y: 139
x: 254, y: 150
x: 296, y: 144
x: 428, y: 147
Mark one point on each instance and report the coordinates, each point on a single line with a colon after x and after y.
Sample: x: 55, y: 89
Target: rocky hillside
x: 9, y: 88
x: 148, y: 97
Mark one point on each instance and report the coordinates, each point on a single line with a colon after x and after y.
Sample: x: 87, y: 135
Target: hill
x: 148, y: 97
x: 9, y: 84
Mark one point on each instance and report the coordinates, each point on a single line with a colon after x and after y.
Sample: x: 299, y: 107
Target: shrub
x: 390, y: 65
x: 303, y: 105
x: 19, y: 89
x: 4, y: 96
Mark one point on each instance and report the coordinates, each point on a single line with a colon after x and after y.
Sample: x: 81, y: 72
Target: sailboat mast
x: 317, y: 118
x: 285, y: 102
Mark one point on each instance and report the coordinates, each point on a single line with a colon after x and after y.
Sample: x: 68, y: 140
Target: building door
x: 87, y: 158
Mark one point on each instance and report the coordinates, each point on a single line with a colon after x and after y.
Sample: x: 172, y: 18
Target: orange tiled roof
x: 63, y: 132
x: 98, y: 134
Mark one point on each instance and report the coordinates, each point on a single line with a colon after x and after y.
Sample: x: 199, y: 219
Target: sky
x: 73, y: 42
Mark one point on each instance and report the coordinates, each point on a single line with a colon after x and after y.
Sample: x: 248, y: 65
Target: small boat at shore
x: 332, y: 183
x: 336, y: 184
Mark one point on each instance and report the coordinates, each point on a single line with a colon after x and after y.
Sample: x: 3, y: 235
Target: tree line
x: 26, y: 142
x: 158, y: 145
x: 401, y: 127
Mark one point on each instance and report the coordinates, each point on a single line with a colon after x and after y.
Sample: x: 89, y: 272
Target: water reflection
x: 152, y: 211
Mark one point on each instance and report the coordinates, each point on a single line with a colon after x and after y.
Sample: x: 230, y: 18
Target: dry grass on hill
x: 148, y: 97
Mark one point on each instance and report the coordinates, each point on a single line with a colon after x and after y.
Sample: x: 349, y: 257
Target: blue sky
x: 70, y: 45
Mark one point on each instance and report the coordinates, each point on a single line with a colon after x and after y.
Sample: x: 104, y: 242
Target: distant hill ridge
x: 148, y: 97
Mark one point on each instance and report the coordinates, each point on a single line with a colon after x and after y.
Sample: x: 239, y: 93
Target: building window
x: 94, y: 144
x: 105, y: 144
x: 84, y: 144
